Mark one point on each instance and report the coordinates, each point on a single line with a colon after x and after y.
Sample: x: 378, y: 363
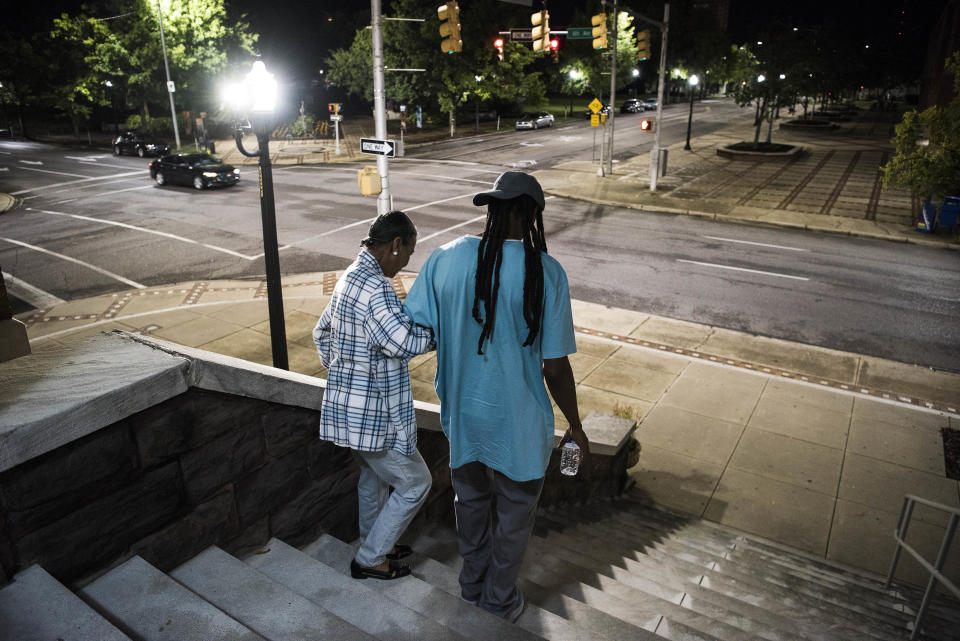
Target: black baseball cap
x: 511, y: 184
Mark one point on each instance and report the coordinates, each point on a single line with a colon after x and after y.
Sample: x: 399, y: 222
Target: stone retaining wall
x: 232, y: 458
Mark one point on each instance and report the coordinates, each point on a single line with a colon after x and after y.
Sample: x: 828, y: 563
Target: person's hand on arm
x: 559, y: 378
x: 321, y: 337
x: 390, y: 329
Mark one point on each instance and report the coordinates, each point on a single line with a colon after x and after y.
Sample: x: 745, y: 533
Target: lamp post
x: 259, y: 95
x: 692, y: 81
x: 170, y: 85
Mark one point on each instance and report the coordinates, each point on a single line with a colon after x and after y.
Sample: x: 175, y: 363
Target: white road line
x: 30, y: 294
x: 99, y: 270
x: 105, y: 193
x: 450, y: 178
x: 437, y: 202
x: 326, y: 233
x: 145, y: 230
x: 443, y: 231
x: 748, y: 242
x: 88, y: 186
x: 83, y: 179
x: 741, y: 269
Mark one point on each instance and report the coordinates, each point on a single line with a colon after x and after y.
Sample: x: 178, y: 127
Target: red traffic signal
x: 646, y: 125
x: 498, y: 43
x: 554, y: 44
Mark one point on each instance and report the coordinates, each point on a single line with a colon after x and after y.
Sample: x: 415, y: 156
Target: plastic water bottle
x: 570, y: 459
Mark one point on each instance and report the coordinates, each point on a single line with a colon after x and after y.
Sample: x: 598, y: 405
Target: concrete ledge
x: 61, y: 393
x: 735, y: 154
x: 812, y: 126
x: 13, y: 340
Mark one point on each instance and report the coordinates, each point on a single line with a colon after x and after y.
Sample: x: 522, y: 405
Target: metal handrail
x: 936, y: 576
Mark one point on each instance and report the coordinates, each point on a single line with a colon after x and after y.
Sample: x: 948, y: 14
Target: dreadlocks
x: 490, y: 257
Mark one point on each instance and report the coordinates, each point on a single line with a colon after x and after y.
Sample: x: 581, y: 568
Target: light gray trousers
x: 495, y: 516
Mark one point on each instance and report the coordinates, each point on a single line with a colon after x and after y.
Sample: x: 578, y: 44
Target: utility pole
x: 655, y: 152
x: 613, y: 89
x: 384, y: 202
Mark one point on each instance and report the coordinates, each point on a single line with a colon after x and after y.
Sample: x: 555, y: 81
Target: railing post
x: 906, y: 512
x: 932, y: 583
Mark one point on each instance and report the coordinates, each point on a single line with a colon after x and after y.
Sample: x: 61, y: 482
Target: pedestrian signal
x: 646, y: 125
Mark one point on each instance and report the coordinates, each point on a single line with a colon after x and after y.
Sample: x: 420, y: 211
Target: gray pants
x: 494, y: 521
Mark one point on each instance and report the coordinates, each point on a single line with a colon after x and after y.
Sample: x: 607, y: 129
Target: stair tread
x: 756, y: 587
x: 434, y: 597
x: 269, y: 608
x: 641, y: 608
x: 759, y: 619
x: 349, y: 599
x: 152, y: 606
x: 37, y: 607
x: 866, y: 597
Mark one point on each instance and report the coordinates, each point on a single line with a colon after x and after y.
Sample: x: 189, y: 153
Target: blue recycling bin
x: 949, y: 211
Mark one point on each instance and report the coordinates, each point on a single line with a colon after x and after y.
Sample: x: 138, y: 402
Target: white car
x: 535, y: 120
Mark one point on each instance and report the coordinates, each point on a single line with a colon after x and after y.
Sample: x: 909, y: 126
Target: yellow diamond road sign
x: 595, y: 105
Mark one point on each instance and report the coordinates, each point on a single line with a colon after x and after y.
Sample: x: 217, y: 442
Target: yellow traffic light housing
x: 449, y: 15
x: 599, y: 22
x: 643, y: 44
x: 541, y: 30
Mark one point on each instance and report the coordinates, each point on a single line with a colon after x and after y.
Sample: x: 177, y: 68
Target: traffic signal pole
x: 384, y: 202
x: 613, y: 89
x: 655, y: 152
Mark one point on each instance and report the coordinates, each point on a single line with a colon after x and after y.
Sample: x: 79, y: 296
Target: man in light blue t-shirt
x: 499, y: 307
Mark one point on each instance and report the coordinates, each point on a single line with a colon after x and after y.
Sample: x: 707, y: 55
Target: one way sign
x: 378, y: 147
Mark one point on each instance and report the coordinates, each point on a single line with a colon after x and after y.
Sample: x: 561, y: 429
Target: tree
x: 452, y: 80
x: 77, y: 80
x: 22, y: 71
x: 930, y: 169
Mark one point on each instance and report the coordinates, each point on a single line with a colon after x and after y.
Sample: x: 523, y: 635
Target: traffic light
x: 541, y: 30
x: 646, y: 126
x: 555, y: 50
x: 449, y: 15
x: 599, y: 31
x: 334, y: 107
x: 498, y: 45
x: 643, y: 44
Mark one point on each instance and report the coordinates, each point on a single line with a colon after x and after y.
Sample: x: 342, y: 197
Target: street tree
x: 927, y: 147
x: 22, y: 71
x: 77, y: 48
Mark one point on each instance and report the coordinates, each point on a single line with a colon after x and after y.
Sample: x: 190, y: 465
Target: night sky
x: 299, y: 35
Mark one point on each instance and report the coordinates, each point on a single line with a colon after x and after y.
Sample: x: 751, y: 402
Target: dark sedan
x: 134, y: 143
x: 199, y: 170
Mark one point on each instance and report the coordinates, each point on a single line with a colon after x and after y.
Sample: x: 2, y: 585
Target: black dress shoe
x: 400, y: 551
x: 396, y: 571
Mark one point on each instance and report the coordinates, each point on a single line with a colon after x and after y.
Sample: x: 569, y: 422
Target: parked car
x: 632, y: 106
x: 650, y: 104
x: 535, y: 120
x: 133, y: 143
x: 603, y: 110
x: 199, y: 170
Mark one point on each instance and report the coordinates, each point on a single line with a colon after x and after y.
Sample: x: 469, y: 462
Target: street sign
x: 579, y: 33
x: 336, y: 117
x: 595, y: 106
x: 594, y: 120
x: 171, y: 87
x: 521, y: 35
x: 378, y: 147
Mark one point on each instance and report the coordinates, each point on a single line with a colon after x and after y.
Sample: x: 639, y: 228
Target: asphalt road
x: 91, y: 223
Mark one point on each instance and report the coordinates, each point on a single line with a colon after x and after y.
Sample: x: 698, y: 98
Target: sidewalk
x: 834, y: 186
x: 809, y: 447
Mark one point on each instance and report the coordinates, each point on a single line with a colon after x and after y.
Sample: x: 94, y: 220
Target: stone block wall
x: 209, y: 468
x: 199, y: 469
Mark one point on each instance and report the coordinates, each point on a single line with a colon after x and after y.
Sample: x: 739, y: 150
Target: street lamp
x: 257, y: 97
x: 692, y: 81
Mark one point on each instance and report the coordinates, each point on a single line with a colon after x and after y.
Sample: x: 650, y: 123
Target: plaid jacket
x: 365, y: 341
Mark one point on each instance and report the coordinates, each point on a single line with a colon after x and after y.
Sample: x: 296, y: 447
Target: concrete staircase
x: 613, y: 571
